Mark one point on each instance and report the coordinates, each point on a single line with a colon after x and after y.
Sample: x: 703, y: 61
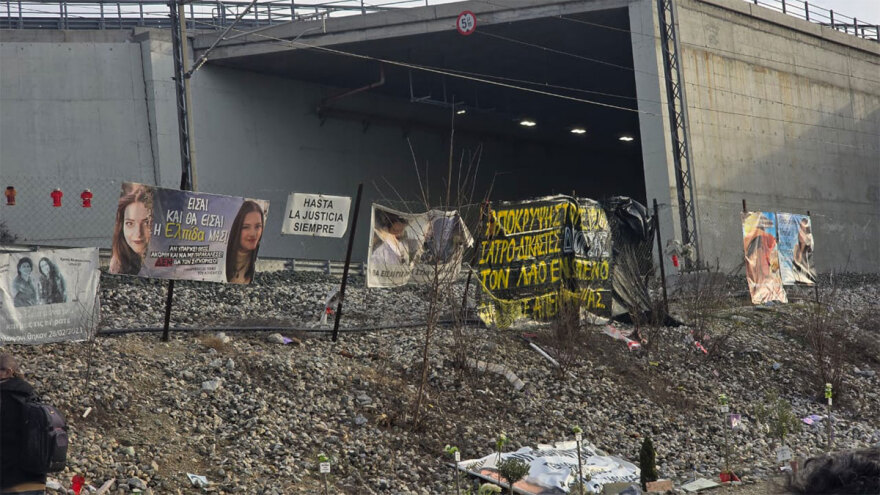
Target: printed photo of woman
x: 24, y: 291
x: 52, y: 289
x: 391, y: 247
x: 131, y: 235
x: 244, y: 243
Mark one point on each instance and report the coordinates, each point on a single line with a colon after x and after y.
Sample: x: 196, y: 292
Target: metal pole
x: 184, y: 122
x: 660, y: 256
x: 783, y: 7
x: 807, y: 10
x: 184, y: 60
x: 744, y: 206
x: 354, y: 219
x: 168, y: 301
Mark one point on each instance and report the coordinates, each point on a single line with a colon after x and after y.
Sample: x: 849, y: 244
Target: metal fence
x: 802, y: 9
x: 213, y: 15
x: 201, y: 14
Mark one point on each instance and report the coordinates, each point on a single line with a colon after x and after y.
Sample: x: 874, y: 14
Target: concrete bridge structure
x: 784, y: 113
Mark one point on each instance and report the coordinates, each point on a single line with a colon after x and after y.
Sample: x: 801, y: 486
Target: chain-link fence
x: 47, y: 211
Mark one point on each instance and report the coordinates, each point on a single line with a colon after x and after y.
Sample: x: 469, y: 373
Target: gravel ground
x: 252, y: 415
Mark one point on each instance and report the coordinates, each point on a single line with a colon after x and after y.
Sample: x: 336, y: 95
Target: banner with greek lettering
x: 535, y: 256
x: 49, y: 295
x: 554, y: 469
x: 415, y: 247
x: 795, y: 234
x: 316, y: 215
x: 185, y: 235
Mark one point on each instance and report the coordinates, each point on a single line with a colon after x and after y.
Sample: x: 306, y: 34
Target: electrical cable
x: 365, y: 329
x: 658, y: 76
x: 284, y: 42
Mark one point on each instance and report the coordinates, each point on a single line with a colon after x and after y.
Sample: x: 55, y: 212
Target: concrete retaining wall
x: 786, y: 115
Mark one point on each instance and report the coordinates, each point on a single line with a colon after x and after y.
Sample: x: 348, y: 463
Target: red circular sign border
x: 458, y: 23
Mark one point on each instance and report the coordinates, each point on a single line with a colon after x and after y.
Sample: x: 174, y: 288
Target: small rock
x: 360, y: 420
x: 137, y: 484
x: 129, y: 451
x: 275, y: 338
x: 212, y: 385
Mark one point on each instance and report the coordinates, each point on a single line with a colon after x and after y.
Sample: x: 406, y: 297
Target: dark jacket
x: 11, y: 391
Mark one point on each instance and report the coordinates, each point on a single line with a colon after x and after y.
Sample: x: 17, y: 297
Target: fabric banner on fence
x: 762, y: 257
x: 795, y: 234
x: 184, y: 235
x: 553, y: 469
x: 535, y: 256
x: 415, y: 247
x: 49, y: 295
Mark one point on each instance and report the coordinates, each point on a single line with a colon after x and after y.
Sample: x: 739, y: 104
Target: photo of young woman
x: 131, y: 235
x: 244, y: 243
x: 24, y: 292
x: 52, y: 289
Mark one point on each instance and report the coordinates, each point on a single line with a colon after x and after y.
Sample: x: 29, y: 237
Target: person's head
x: 46, y: 267
x: 245, y: 236
x: 134, y: 217
x: 247, y: 229
x: 394, y: 224
x: 851, y: 473
x: 8, y: 366
x: 25, y: 267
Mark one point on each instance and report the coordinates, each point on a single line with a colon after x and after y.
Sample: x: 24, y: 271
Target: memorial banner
x: 554, y: 469
x: 795, y: 249
x: 185, y: 235
x: 316, y: 215
x: 49, y: 295
x: 537, y: 255
x: 762, y: 257
x: 415, y: 247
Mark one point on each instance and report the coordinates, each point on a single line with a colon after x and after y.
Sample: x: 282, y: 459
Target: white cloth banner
x: 49, y: 295
x: 553, y: 469
x: 316, y: 215
x: 415, y: 247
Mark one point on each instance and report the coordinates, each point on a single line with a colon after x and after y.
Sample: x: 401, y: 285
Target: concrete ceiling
x: 584, y: 55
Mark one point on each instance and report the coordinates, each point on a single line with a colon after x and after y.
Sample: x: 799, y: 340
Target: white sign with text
x: 316, y: 215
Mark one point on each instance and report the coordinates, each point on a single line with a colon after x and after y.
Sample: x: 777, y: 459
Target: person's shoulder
x: 17, y: 386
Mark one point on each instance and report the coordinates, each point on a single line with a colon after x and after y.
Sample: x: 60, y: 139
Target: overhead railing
x: 803, y: 9
x: 208, y: 15
x: 201, y: 14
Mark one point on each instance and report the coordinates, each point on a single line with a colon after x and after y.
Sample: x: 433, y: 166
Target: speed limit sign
x: 466, y: 23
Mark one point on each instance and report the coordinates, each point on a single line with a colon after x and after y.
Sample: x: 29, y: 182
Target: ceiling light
x: 626, y: 138
x: 460, y: 112
x: 528, y: 123
x: 578, y: 130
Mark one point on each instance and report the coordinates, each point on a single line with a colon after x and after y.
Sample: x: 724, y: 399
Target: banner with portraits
x: 795, y: 234
x: 49, y: 295
x: 415, y: 247
x: 185, y: 235
x: 762, y: 257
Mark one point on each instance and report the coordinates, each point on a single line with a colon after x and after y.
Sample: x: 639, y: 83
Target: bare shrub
x: 566, y: 338
x: 702, y: 297
x: 824, y: 330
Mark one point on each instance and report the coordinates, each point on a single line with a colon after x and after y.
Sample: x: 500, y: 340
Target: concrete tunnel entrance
x: 572, y: 75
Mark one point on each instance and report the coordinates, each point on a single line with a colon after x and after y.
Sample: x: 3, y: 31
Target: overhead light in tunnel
x: 528, y: 123
x: 578, y: 130
x: 626, y: 138
x: 460, y: 111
